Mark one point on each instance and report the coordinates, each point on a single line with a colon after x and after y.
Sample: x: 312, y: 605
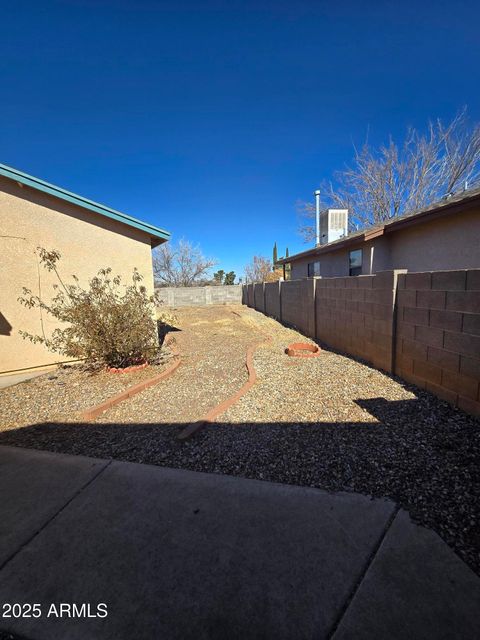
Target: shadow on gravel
x: 425, y: 456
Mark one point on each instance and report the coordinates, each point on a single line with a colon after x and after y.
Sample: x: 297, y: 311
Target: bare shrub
x: 106, y: 323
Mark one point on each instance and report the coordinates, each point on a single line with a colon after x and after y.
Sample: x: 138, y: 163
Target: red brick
x: 429, y: 335
x: 415, y: 350
x: 463, y: 343
x: 442, y: 393
x: 470, y: 367
x: 449, y: 280
x: 431, y: 299
x: 443, y: 358
x: 466, y: 301
x: 427, y: 371
x: 451, y: 320
x: 407, y: 298
x: 471, y: 323
x: 405, y: 330
x: 468, y: 405
x: 473, y: 279
x: 463, y: 385
x: 416, y: 316
x: 418, y: 281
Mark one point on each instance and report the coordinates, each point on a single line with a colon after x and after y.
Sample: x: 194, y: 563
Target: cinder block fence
x: 423, y: 327
x: 199, y: 296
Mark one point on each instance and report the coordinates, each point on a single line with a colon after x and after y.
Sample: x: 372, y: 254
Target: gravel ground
x: 329, y: 422
x: 212, y: 342
x: 64, y: 392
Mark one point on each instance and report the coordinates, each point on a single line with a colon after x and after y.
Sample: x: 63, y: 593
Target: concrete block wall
x: 424, y: 327
x: 355, y: 315
x: 250, y: 298
x: 297, y: 305
x: 438, y: 334
x: 199, y: 296
x: 272, y: 300
x: 259, y: 297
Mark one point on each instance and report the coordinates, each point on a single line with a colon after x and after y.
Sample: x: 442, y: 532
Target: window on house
x: 313, y: 269
x: 355, y: 262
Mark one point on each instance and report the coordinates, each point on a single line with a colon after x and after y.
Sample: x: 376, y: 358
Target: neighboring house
x: 445, y: 235
x: 88, y: 235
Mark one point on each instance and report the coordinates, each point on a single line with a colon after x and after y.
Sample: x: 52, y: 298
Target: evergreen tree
x: 230, y: 278
x: 275, y: 255
x: 218, y: 276
x: 286, y: 253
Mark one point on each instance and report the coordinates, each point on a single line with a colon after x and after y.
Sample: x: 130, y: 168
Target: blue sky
x: 212, y: 119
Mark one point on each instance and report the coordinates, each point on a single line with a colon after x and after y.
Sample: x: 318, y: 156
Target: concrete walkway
x: 177, y: 554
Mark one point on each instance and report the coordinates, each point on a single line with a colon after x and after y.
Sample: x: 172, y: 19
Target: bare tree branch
x: 180, y: 266
x: 391, y: 181
x: 261, y: 270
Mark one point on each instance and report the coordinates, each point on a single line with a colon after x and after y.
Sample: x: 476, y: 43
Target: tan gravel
x: 321, y: 389
x: 212, y: 342
x: 63, y: 393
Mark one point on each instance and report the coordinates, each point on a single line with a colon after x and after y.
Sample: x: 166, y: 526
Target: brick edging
x: 96, y: 410
x: 213, y: 414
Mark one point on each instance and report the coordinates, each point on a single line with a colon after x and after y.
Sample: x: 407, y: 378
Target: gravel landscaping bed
x: 329, y: 422
x: 65, y: 392
x: 212, y: 342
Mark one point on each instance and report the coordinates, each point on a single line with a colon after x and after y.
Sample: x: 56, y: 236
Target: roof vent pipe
x: 317, y: 217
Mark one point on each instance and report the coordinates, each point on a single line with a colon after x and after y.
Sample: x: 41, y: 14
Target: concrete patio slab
x: 416, y: 587
x: 34, y: 486
x: 179, y: 554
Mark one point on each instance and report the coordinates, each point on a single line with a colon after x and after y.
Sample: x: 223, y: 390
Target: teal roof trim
x: 156, y: 234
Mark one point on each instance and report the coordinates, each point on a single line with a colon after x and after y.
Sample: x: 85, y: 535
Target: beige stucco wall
x: 87, y: 242
x: 451, y: 242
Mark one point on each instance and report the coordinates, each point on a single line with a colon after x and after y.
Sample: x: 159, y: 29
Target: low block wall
x: 438, y: 334
x: 424, y: 327
x: 199, y: 296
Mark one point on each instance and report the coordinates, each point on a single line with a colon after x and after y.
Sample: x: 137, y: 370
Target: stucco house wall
x: 451, y: 242
x: 87, y: 241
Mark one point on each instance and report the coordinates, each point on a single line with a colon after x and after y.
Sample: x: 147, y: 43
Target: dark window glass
x: 355, y: 262
x: 313, y: 269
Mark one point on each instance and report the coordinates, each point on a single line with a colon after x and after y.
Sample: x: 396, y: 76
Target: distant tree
x: 394, y: 180
x: 275, y: 255
x: 218, y: 277
x: 182, y: 265
x: 286, y: 253
x: 230, y: 278
x: 260, y: 270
